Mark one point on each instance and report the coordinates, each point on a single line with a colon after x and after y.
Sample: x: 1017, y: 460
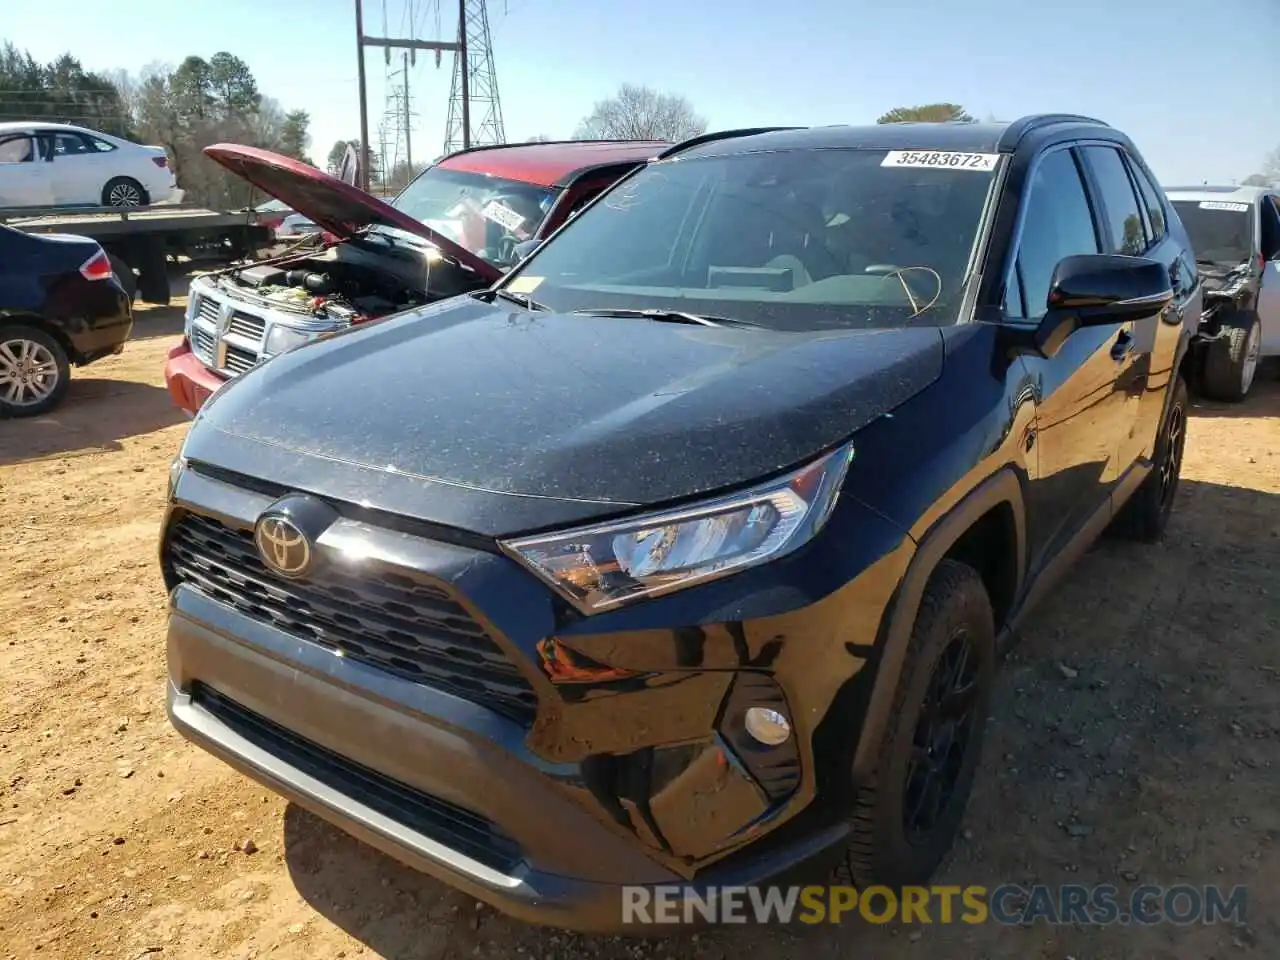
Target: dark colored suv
x: 684, y: 555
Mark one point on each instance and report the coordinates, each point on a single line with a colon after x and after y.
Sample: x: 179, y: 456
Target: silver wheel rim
x: 124, y: 195
x: 1252, y: 350
x: 28, y: 372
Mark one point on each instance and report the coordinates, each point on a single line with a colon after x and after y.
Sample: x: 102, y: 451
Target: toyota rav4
x: 685, y: 554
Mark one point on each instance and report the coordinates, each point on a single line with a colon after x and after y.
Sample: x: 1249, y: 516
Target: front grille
x: 238, y: 359
x: 202, y: 343
x: 413, y: 628
x: 468, y: 833
x: 244, y: 325
x: 208, y: 310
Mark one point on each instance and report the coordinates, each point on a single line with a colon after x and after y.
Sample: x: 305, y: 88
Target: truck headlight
x: 606, y: 565
x: 281, y: 339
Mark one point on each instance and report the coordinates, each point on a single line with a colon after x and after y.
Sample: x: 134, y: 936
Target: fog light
x: 768, y: 726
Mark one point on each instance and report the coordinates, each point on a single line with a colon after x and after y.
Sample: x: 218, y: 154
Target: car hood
x: 604, y: 413
x: 338, y: 207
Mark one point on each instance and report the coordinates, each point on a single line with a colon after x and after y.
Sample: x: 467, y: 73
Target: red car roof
x: 550, y: 164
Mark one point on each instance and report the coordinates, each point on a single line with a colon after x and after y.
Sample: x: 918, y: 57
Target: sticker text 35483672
x: 945, y: 159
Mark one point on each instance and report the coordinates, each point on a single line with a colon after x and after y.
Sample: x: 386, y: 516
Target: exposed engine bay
x: 348, y: 284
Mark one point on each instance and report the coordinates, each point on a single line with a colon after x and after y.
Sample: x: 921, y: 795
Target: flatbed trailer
x: 142, y: 239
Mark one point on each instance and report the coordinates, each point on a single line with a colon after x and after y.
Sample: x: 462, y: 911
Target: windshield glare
x: 1217, y: 235
x: 799, y: 240
x: 486, y: 215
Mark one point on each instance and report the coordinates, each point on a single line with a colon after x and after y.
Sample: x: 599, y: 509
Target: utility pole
x: 363, y: 166
x: 408, y: 136
x: 389, y: 44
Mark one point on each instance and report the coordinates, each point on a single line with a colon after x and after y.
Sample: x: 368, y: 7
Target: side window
x: 1151, y: 201
x: 101, y: 146
x: 16, y: 149
x: 69, y: 144
x: 1119, y: 204
x: 1057, y: 223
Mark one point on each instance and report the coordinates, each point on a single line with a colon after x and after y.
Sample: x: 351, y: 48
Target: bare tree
x: 641, y: 113
x: 927, y: 113
x: 539, y: 138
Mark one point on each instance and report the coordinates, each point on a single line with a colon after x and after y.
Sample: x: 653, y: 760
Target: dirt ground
x: 1136, y: 735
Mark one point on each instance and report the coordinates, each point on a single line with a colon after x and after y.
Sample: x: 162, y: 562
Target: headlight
x: 604, y: 566
x: 176, y: 466
x: 192, y: 303
x: 281, y: 339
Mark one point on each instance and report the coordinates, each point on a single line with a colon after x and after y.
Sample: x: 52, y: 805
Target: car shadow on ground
x: 94, y: 417
x: 1131, y: 742
x: 1263, y: 399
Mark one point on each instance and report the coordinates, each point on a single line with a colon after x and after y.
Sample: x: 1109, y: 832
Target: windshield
x: 789, y: 240
x: 486, y: 215
x: 1220, y: 232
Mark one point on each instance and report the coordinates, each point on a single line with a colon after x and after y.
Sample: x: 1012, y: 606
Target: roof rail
x: 1020, y: 128
x: 719, y: 135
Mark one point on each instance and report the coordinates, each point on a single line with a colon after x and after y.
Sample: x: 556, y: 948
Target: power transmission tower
x: 475, y: 110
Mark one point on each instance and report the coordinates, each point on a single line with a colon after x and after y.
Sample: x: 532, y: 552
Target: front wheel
x: 907, y: 814
x: 34, y: 373
x: 1231, y: 361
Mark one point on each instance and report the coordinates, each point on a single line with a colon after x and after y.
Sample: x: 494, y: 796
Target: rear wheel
x: 123, y: 192
x: 1146, y: 514
x: 1232, y: 359
x: 907, y: 814
x: 34, y: 372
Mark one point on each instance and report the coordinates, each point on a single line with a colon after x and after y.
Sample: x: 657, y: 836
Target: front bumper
x: 189, y: 381
x: 634, y: 771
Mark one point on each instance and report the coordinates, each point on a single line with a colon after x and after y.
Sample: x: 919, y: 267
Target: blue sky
x: 1197, y: 85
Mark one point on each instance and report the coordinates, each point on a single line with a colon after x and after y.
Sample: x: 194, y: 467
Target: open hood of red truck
x: 337, y: 207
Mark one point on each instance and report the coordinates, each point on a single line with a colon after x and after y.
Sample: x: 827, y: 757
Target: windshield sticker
x: 940, y: 158
x: 524, y: 284
x: 502, y: 215
x: 1224, y: 205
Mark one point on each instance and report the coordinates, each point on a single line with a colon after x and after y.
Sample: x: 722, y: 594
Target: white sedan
x: 56, y: 164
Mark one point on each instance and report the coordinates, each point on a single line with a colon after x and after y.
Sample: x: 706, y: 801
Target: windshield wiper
x: 667, y: 316
x: 523, y: 299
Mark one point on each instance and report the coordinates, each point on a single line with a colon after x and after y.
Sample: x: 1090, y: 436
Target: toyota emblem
x: 283, y: 547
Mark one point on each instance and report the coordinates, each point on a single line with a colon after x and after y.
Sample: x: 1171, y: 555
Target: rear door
x: 77, y: 168
x: 1269, y: 292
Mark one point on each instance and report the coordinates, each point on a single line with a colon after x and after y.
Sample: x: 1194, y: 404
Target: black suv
x: 684, y: 555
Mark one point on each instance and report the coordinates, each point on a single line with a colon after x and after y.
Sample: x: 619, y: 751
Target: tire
x: 124, y: 192
x: 26, y: 391
x: 1147, y: 512
x: 124, y: 273
x: 1231, y: 361
x: 954, y: 616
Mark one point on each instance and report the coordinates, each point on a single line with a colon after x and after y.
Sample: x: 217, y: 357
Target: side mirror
x: 1093, y: 290
x: 526, y: 247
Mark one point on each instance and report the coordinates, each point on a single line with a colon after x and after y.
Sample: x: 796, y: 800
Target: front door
x: 1134, y: 224
x: 1081, y: 409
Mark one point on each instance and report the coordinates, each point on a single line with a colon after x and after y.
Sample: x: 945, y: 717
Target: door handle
x: 1122, y: 347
